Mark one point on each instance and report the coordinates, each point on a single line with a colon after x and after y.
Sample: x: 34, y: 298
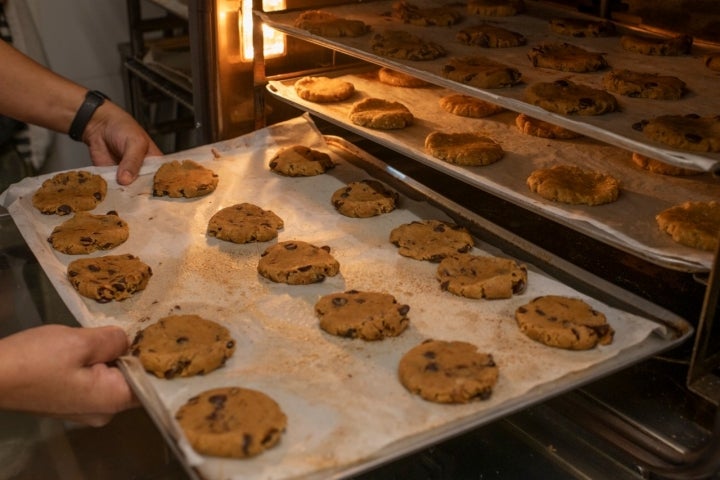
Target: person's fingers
x: 133, y: 157
x: 104, y: 344
x: 110, y: 388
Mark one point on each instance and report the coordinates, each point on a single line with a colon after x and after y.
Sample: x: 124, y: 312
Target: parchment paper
x: 341, y: 396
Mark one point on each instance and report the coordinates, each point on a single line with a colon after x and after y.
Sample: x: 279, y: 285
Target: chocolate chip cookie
x: 443, y: 16
x: 400, y: 79
x: 662, y: 168
x: 300, y: 161
x: 108, y: 278
x: 693, y: 224
x: 431, y: 240
x: 85, y: 233
x: 381, y: 114
x: 326, y: 24
x: 569, y: 98
x: 474, y: 276
x: 686, y: 132
x: 480, y: 72
x: 185, y: 178
x: 69, y: 192
x: 363, y: 199
x: 490, y: 36
x: 364, y: 315
x: 566, y: 58
x: 467, y: 106
x: 540, y: 128
x: 465, y: 149
x: 644, y: 85
x: 582, y: 27
x: 495, y: 8
x: 678, y: 45
x: 405, y: 46
x: 297, y: 263
x: 574, y: 185
x: 244, y: 223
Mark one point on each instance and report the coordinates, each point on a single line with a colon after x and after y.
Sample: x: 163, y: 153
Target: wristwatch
x: 93, y: 99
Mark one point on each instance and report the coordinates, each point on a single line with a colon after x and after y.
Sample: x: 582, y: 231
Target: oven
x: 208, y: 71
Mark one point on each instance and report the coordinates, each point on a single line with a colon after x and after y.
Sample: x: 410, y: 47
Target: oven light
x: 273, y: 41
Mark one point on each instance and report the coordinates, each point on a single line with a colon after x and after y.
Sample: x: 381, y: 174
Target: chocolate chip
x: 304, y: 268
x: 218, y: 401
x: 98, y: 196
x: 181, y: 340
x: 291, y: 246
x: 693, y: 138
x: 64, y: 209
x: 403, y: 310
x: 429, y: 354
x: 562, y: 83
x: 247, y: 442
x: 639, y: 126
x: 432, y: 367
x: 522, y: 310
x: 339, y: 301
x: 93, y: 268
x: 230, y: 344
x: 586, y: 102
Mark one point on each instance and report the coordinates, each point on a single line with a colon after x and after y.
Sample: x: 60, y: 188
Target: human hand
x: 114, y: 137
x: 61, y: 371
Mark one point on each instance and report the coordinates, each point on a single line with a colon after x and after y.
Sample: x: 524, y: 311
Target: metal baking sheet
x: 628, y: 224
x: 615, y: 128
x: 347, y: 412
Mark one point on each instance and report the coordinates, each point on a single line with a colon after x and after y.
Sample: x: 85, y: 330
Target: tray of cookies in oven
x: 293, y: 313
x: 652, y: 94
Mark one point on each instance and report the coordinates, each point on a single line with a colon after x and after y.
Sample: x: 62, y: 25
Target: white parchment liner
x: 342, y: 398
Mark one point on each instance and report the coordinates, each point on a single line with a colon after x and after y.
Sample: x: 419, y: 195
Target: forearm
x: 33, y: 94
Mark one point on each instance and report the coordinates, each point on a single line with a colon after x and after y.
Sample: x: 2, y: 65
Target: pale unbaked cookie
x: 231, y: 422
x: 448, y: 372
x: 182, y: 346
x: 363, y: 199
x: 480, y: 72
x: 431, y: 240
x: 405, y: 46
x: 568, y: 98
x: 574, y: 185
x: 467, y: 106
x: 564, y: 322
x: 68, y: 192
x: 297, y: 263
x: 466, y: 149
x: 244, y: 223
x: 112, y: 277
x: 85, y: 233
x: 490, y: 36
x: 566, y: 58
x: 381, y: 114
x: 300, y: 161
x: 540, y: 128
x: 644, y: 85
x: 693, y: 224
x: 327, y: 24
x: 679, y: 45
x: 474, y: 276
x: 686, y: 132
x: 362, y: 314
x: 323, y: 89
x: 185, y: 178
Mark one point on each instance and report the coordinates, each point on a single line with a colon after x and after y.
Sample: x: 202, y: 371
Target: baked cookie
x: 564, y: 322
x: 363, y: 199
x: 467, y: 106
x: 182, y: 346
x: 686, y: 132
x: 448, y: 372
x: 231, y: 422
x: 644, y: 85
x: 490, y: 36
x: 466, y: 149
x: 480, y: 72
x: 473, y: 276
x: 183, y: 179
x: 566, y: 58
x: 244, y: 223
x: 568, y: 98
x: 574, y: 185
x: 431, y: 240
x: 581, y: 27
x: 693, y: 224
x: 662, y: 168
x: 297, y: 263
x: 85, y: 233
x: 496, y: 8
x: 380, y: 114
x: 326, y: 24
x: 540, y: 128
x: 364, y: 315
x: 112, y: 277
x: 405, y: 46
x: 425, y: 16
x: 679, y: 45
x: 323, y: 89
x: 400, y: 79
x: 69, y: 192
x: 712, y: 61
x: 300, y: 161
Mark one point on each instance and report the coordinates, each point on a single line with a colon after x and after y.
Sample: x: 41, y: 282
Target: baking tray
x: 628, y: 224
x: 347, y: 412
x: 615, y: 128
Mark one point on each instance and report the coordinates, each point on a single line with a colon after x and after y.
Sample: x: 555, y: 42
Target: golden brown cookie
x: 540, y: 128
x: 363, y: 199
x: 480, y: 72
x: 568, y: 98
x: 467, y: 106
x: 431, y: 240
x: 405, y: 46
x: 582, y: 27
x: 364, y: 315
x: 495, y: 8
x: 68, y: 192
x: 326, y: 24
x: 443, y: 16
x: 85, y: 233
x: 182, y: 346
x: 400, y: 79
x: 473, y: 276
x: 574, y: 185
x: 231, y: 422
x: 679, y: 45
x: 564, y: 322
x: 566, y: 58
x: 381, y: 114
x: 323, y: 89
x: 112, y: 277
x: 644, y: 85
x: 448, y: 372
x: 184, y: 179
x: 300, y: 161
x: 662, y: 168
x: 693, y: 224
x: 244, y: 223
x: 712, y: 61
x: 297, y: 263
x: 686, y: 132
x: 490, y: 36
x: 466, y: 149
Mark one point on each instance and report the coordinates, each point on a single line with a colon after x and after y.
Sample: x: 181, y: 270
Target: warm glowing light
x: 273, y: 41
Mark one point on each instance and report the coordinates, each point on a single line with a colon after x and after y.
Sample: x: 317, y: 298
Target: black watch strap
x: 93, y: 99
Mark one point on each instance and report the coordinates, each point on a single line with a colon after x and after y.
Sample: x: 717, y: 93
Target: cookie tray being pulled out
x: 346, y: 409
